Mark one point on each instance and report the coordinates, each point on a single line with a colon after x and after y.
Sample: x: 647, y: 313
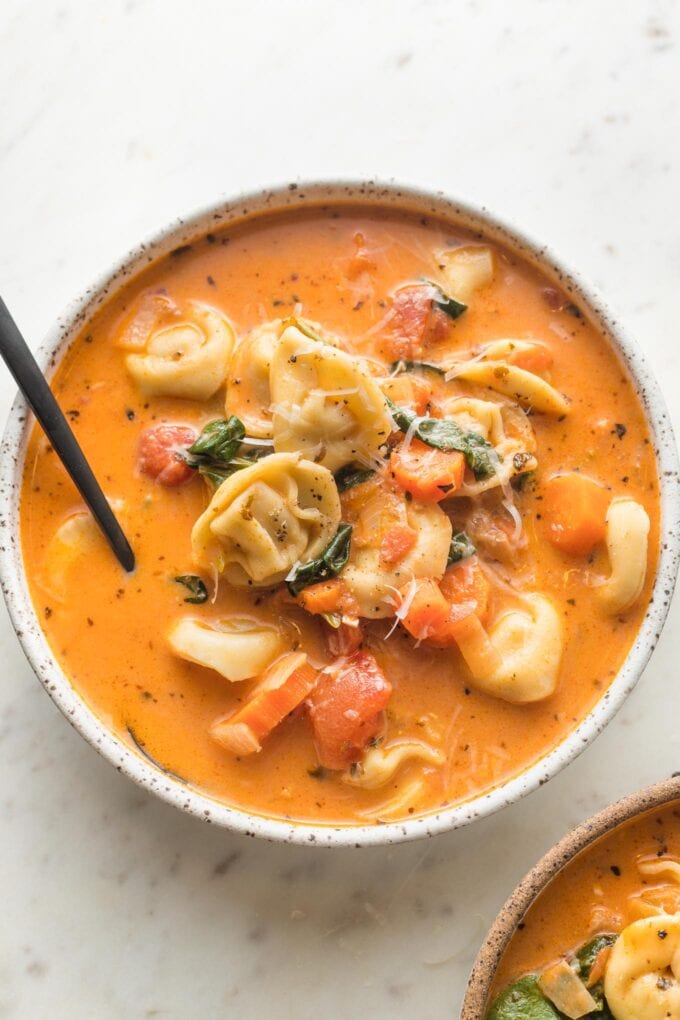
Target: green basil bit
x: 523, y: 1000
x: 584, y: 961
x: 454, y: 309
x: 445, y: 434
x: 196, y: 587
x: 402, y: 366
x: 215, y: 454
x: 328, y: 565
x: 460, y: 549
x: 350, y: 475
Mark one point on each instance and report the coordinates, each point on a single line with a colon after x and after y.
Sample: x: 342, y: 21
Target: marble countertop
x: 561, y: 116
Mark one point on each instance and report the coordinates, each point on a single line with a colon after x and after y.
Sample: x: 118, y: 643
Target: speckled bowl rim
x: 125, y: 759
x: 516, y: 906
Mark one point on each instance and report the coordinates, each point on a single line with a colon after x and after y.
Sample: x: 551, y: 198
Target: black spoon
x: 33, y: 385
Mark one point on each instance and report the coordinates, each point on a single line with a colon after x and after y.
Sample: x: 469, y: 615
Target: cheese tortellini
x: 186, y: 359
x: 235, y: 648
x: 325, y: 403
x: 627, y: 535
x: 519, y: 659
x: 266, y: 518
x: 642, y: 977
x: 380, y: 764
x: 248, y: 391
x: 375, y: 585
x: 525, y: 387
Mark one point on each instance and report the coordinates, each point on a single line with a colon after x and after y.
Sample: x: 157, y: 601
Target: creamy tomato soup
x: 394, y: 505
x: 603, y: 939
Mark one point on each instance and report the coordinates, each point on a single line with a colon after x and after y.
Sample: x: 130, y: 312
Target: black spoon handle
x: 33, y: 385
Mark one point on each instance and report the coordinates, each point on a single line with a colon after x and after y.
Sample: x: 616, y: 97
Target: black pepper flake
x: 181, y: 250
x: 48, y: 612
x: 615, y: 870
x: 211, y: 281
x: 619, y: 429
x: 129, y: 414
x: 662, y: 933
x: 574, y: 310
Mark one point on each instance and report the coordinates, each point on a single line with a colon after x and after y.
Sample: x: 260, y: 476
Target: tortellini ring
x: 518, y: 660
x: 187, y: 359
x: 266, y: 518
x: 326, y: 404
x: 235, y: 648
x: 374, y: 587
x: 527, y: 388
x: 642, y: 977
x: 248, y: 391
x: 627, y: 534
x: 379, y: 764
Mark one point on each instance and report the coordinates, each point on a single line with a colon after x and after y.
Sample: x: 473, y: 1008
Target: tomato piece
x: 343, y: 640
x: 575, y: 512
x: 468, y: 593
x: 415, y: 323
x: 427, y: 473
x: 159, y: 453
x: 396, y: 542
x: 283, y: 686
x: 346, y: 710
x: 428, y: 610
x: 328, y: 597
x: 537, y: 360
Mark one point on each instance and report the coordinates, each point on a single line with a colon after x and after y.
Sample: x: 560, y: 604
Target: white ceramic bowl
x: 143, y: 772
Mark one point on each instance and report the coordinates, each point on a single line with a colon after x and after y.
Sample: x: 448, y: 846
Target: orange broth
x: 108, y: 630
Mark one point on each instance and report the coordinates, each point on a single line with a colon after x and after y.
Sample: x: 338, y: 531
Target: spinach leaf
x: 584, y: 960
x: 416, y: 366
x: 195, y: 585
x: 350, y: 475
x: 454, y: 309
x: 329, y: 564
x: 445, y: 434
x: 215, y: 453
x: 460, y: 549
x: 523, y: 1000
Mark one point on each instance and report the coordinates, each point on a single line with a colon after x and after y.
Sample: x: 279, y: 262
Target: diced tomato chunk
x: 159, y: 453
x: 396, y: 543
x: 427, y: 473
x: 345, y: 639
x: 329, y: 597
x: 428, y: 610
x: 346, y: 710
x: 574, y: 512
x: 467, y: 592
x: 415, y: 323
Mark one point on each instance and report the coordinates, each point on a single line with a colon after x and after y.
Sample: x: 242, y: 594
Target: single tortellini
x: 266, y: 518
x: 235, y: 648
x: 248, y: 392
x: 518, y: 660
x: 325, y: 404
x: 642, y: 976
x: 375, y: 585
x: 627, y: 536
x: 466, y: 270
x: 508, y: 430
x: 527, y: 388
x: 186, y: 359
x: 379, y: 764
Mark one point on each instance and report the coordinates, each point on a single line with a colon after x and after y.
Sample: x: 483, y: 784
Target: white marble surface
x: 561, y: 115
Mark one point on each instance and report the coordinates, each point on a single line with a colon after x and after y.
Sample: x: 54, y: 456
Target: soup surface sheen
x: 502, y: 641
x: 624, y: 888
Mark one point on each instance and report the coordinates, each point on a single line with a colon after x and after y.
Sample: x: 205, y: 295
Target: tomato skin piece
x: 396, y: 543
x: 575, y: 512
x: 346, y: 710
x: 415, y: 323
x: 428, y: 611
x: 427, y: 473
x: 468, y: 593
x: 158, y: 454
